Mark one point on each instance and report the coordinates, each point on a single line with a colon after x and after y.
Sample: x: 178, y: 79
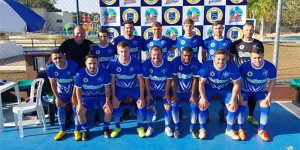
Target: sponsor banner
x: 150, y: 15
x: 235, y: 15
x: 195, y: 13
x: 172, y: 15
x: 172, y: 3
x: 151, y: 2
x: 215, y: 2
x: 236, y: 2
x: 147, y: 32
x: 193, y: 2
x: 127, y: 3
x: 110, y: 16
x: 112, y: 31
x: 234, y: 32
x: 172, y: 31
x: 131, y: 13
x: 213, y: 13
x: 109, y: 3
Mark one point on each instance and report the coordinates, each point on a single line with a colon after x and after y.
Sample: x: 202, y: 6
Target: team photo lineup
x: 114, y: 74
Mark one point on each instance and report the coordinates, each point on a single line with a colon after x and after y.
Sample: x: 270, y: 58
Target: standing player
x: 92, y: 86
x: 126, y: 79
x: 219, y: 76
x: 61, y: 74
x: 184, y: 86
x: 104, y: 50
x: 210, y: 46
x: 241, y: 50
x: 255, y: 74
x: 157, y: 73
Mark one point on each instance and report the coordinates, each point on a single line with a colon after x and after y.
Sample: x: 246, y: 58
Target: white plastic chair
x: 31, y: 106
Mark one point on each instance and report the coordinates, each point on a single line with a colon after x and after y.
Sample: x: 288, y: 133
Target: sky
x: 84, y: 5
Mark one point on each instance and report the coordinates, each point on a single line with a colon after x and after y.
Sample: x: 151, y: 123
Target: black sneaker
x: 222, y: 117
x: 106, y: 133
x: 85, y: 135
x: 97, y: 118
x: 180, y: 115
x: 194, y: 133
x: 125, y: 116
x: 177, y: 133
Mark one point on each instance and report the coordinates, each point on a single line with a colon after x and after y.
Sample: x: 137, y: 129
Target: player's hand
x: 194, y: 99
x: 148, y: 98
x: 108, y: 107
x: 80, y: 108
x: 59, y: 102
x: 140, y: 103
x: 267, y: 100
x: 115, y: 102
x: 233, y: 105
x: 168, y: 98
x: 174, y: 98
x: 203, y: 103
x: 92, y: 46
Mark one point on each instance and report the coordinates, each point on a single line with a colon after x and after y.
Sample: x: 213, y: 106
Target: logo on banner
x: 112, y: 33
x: 234, y: 33
x: 193, y: 13
x: 172, y: 16
x: 172, y: 33
x: 130, y: 14
x: 110, y: 16
x: 109, y: 2
x: 193, y: 1
x: 236, y: 1
x: 135, y: 32
x: 151, y: 2
x: 197, y: 31
x: 214, y: 1
x: 171, y: 1
x: 209, y: 32
x: 151, y: 16
x: 214, y: 14
x: 236, y: 14
x: 148, y: 34
x: 126, y: 2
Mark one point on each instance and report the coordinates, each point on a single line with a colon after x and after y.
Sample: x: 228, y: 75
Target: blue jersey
x: 219, y: 79
x: 164, y: 43
x: 255, y: 79
x: 185, y: 74
x: 157, y: 74
x: 211, y: 45
x: 105, y: 54
x: 194, y: 42
x: 64, y: 77
x: 126, y: 75
x: 136, y: 44
x: 92, y: 85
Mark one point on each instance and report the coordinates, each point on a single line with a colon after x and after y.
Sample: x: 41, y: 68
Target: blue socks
x: 140, y: 116
x: 230, y: 119
x: 77, y: 124
x: 61, y: 115
x: 116, y: 114
x: 194, y: 114
x: 202, y: 118
x: 241, y: 116
x: 264, y: 116
x: 106, y: 125
x: 168, y: 116
x: 85, y: 126
x: 149, y: 116
x: 175, y: 114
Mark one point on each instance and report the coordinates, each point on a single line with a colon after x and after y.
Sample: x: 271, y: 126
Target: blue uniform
x: 194, y: 42
x: 211, y: 45
x: 105, y: 54
x: 64, y: 78
x: 254, y: 79
x: 127, y: 82
x: 164, y: 43
x: 219, y: 81
x: 185, y: 74
x: 93, y: 86
x: 136, y: 44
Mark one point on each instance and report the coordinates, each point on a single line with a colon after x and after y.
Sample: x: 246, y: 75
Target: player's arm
x: 235, y: 90
x: 107, y: 105
x: 194, y: 98
x: 203, y: 102
x: 141, y: 101
x: 231, y: 57
x: 167, y: 94
x: 270, y: 91
x: 204, y: 55
x: 58, y: 101
x: 175, y: 96
x: 147, y: 85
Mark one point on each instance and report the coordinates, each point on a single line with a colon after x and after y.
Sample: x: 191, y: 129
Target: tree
x: 290, y: 12
x: 47, y: 4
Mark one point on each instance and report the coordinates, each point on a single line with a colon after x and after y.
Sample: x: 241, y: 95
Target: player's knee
x: 244, y: 103
x: 168, y: 107
x: 149, y: 107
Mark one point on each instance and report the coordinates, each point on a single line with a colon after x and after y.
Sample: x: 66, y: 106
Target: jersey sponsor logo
x: 130, y: 14
x: 265, y: 73
x: 163, y: 71
x: 85, y: 79
x: 211, y: 52
x: 151, y: 16
x: 134, y: 49
x: 194, y: 13
x: 244, y: 54
x: 92, y: 87
x: 226, y: 74
x: 172, y: 33
x: 172, y: 16
x: 151, y: 43
x: 125, y: 76
x: 241, y: 46
x: 112, y: 33
x: 171, y: 2
x: 163, y: 42
x: 105, y: 58
x: 100, y: 79
x: 217, y: 80
x: 56, y: 73
x: 212, y: 74
x: 234, y: 33
x: 182, y: 42
x: 155, y: 78
x: 236, y: 14
x: 225, y: 44
x: 249, y: 74
x: 151, y: 70
x: 236, y: 1
x: 97, y: 52
x: 110, y: 16
x: 193, y: 1
x: 64, y: 80
x: 131, y: 69
x: 180, y: 67
x: 256, y: 81
x: 212, y: 44
x: 109, y: 2
x: 129, y: 2
x: 119, y: 69
x: 214, y: 14
x: 151, y: 2
x: 184, y: 76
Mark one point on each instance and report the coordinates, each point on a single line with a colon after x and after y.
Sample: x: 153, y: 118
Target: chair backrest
x: 39, y: 82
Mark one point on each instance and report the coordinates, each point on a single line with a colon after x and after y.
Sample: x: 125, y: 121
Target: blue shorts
x: 257, y: 95
x: 224, y: 94
x: 182, y: 96
x: 92, y: 103
x: 65, y: 97
x: 122, y: 92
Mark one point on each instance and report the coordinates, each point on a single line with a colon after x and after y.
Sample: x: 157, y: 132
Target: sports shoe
x: 180, y: 115
x: 154, y: 113
x: 85, y: 135
x: 60, y: 134
x: 125, y: 116
x: 242, y: 135
x: 149, y: 132
x: 221, y: 117
x: 177, y: 133
x: 106, y: 133
x: 202, y: 133
x: 194, y: 133
x: 232, y: 134
x: 77, y: 135
x: 141, y: 132
x: 168, y: 131
x: 115, y: 132
x: 263, y: 134
x: 252, y: 120
x: 97, y: 118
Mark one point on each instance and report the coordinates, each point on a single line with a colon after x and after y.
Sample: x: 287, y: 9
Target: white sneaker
x: 149, y: 132
x: 168, y: 131
x: 202, y: 133
x: 154, y: 113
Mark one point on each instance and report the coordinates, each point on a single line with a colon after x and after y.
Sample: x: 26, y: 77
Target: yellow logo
x: 151, y: 70
x: 119, y: 69
x: 236, y: 1
x: 146, y: 33
x: 130, y: 12
x: 214, y: 14
x: 98, y: 52
x: 56, y: 73
x: 151, y: 2
x: 193, y: 1
x: 85, y: 79
x: 116, y: 33
x: 234, y: 33
x: 212, y: 74
x: 110, y: 2
x: 172, y: 16
x: 249, y: 73
x: 198, y: 32
x: 180, y: 67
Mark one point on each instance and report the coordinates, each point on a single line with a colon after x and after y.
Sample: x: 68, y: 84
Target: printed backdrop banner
x: 172, y: 13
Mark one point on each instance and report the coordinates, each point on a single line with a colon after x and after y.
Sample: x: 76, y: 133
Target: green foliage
x: 48, y: 4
